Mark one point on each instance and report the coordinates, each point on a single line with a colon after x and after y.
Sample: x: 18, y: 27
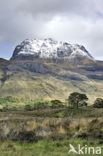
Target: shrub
x: 56, y: 103
x: 28, y: 108
x: 27, y: 136
x: 41, y: 105
x: 98, y: 103
x: 5, y: 108
x: 7, y: 99
x: 13, y: 108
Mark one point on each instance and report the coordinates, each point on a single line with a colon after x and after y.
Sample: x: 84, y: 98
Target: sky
x: 73, y: 21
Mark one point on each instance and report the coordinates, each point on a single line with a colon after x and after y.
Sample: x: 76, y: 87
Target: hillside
x: 45, y: 79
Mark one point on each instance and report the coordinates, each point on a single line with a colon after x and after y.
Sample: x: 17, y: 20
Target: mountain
x: 52, y: 70
x: 51, y: 49
x: 3, y: 62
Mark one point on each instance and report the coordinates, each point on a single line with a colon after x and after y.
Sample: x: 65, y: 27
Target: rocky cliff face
x: 49, y: 48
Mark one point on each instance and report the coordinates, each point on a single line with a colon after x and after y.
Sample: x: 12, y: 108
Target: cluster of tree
x: 75, y: 100
x: 44, y: 104
x: 79, y: 100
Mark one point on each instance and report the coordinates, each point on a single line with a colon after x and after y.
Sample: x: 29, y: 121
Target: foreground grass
x: 56, y: 146
x: 44, y: 147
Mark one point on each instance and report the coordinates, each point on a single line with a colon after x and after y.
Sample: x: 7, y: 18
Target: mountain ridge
x: 49, y: 48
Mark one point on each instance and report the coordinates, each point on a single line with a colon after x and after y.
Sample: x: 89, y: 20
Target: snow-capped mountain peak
x: 49, y: 48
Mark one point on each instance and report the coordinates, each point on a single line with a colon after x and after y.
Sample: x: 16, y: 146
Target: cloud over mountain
x: 79, y: 21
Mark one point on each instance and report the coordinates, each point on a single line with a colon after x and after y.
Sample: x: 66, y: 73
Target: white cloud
x: 76, y: 21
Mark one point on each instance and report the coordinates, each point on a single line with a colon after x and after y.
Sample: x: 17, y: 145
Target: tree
x: 77, y: 99
x: 98, y: 103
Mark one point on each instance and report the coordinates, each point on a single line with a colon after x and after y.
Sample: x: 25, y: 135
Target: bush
x: 28, y: 108
x: 8, y: 99
x: 13, y: 108
x: 56, y: 103
x: 27, y: 136
x: 98, y: 103
x: 41, y: 105
x: 5, y: 108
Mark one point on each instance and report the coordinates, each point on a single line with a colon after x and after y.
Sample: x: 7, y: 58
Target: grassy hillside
x: 31, y: 85
x: 50, y: 79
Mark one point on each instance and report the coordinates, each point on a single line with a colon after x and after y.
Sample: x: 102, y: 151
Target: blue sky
x: 74, y: 21
x: 6, y: 50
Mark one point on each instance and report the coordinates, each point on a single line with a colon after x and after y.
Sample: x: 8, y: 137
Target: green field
x: 44, y: 148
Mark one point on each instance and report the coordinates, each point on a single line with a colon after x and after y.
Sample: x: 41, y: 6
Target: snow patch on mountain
x: 49, y: 48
